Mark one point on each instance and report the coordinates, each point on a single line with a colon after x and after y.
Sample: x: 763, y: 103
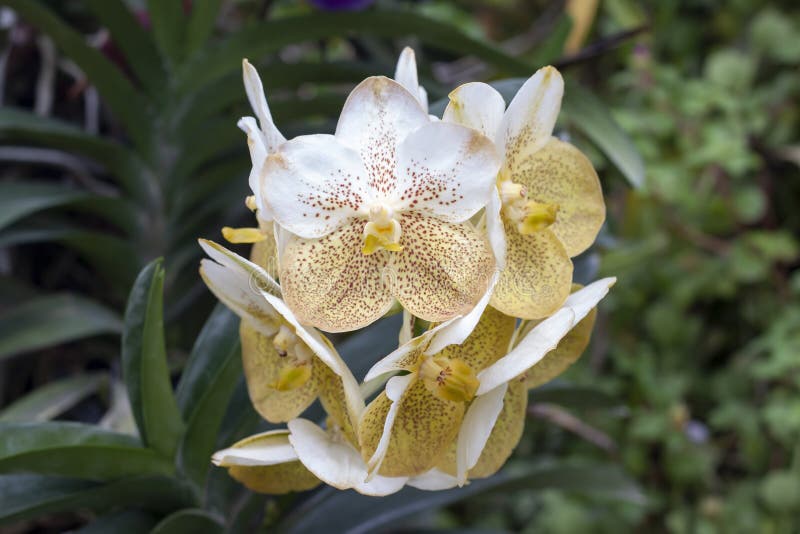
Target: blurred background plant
x: 119, y: 145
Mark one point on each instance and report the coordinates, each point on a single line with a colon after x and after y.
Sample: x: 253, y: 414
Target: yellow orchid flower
x: 301, y: 456
x: 552, y: 202
x: 379, y: 211
x: 287, y: 366
x: 461, y: 407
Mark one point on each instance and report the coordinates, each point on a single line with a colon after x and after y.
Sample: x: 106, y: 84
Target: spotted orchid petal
x: 529, y: 120
x: 491, y: 450
x: 315, y: 184
x: 330, y: 283
x: 544, y: 337
x: 262, y: 369
x: 377, y: 116
x: 443, y: 269
x: 421, y: 429
x: 476, y: 105
x: 452, y: 182
x: 247, y: 292
x: 537, y: 277
x: 559, y: 174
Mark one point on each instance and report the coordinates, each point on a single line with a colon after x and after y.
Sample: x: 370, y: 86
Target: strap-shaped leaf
x: 116, y: 258
x: 133, y: 40
x: 267, y: 37
x: 189, y: 522
x: 121, y: 522
x: 51, y: 320
x: 54, y: 398
x: 169, y: 26
x: 144, y: 361
x: 27, y: 496
x: 75, y: 450
x: 592, y: 117
x: 20, y: 199
x: 23, y: 126
x: 127, y: 104
x: 201, y: 24
x: 206, y: 386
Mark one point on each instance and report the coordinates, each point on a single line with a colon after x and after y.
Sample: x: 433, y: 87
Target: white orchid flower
x: 380, y: 212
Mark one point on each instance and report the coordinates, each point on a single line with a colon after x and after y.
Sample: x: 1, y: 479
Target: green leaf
x: 144, y: 363
x: 201, y: 24
x: 168, y: 22
x: 189, y: 522
x: 220, y: 60
x: 75, y: 450
x: 51, y: 320
x: 127, y: 105
x: 205, y: 389
x: 592, y: 117
x: 18, y: 126
x: 116, y: 258
x: 133, y: 40
x: 28, y: 496
x: 123, y: 522
x: 330, y: 510
x: 18, y: 200
x: 54, y: 398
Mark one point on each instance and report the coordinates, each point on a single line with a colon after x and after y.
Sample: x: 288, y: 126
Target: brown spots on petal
x: 443, y: 269
x: 330, y: 284
x: 537, y: 277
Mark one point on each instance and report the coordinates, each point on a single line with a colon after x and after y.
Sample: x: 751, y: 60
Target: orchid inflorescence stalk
x: 467, y: 223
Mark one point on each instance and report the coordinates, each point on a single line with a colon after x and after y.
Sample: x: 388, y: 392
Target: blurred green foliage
x: 691, y: 385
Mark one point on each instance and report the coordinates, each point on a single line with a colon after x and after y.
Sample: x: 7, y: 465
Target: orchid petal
x: 443, y: 270
x: 544, y: 337
x: 406, y: 75
x: 330, y: 284
x: 325, y: 351
x: 567, y: 352
x: 529, y: 120
x: 537, y: 277
x: 395, y: 388
x: 378, y: 115
x: 422, y: 422
x: 266, y: 463
x: 258, y: 101
x: 314, y: 184
x: 560, y: 174
x: 445, y: 171
x: 262, y: 368
x: 476, y: 428
x: 236, y: 282
x: 476, y: 105
x: 457, y: 330
x: 258, y: 155
x: 336, y: 464
x: 433, y: 480
x: 485, y: 344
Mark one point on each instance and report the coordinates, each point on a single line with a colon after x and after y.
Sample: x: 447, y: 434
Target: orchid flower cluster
x: 466, y: 223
